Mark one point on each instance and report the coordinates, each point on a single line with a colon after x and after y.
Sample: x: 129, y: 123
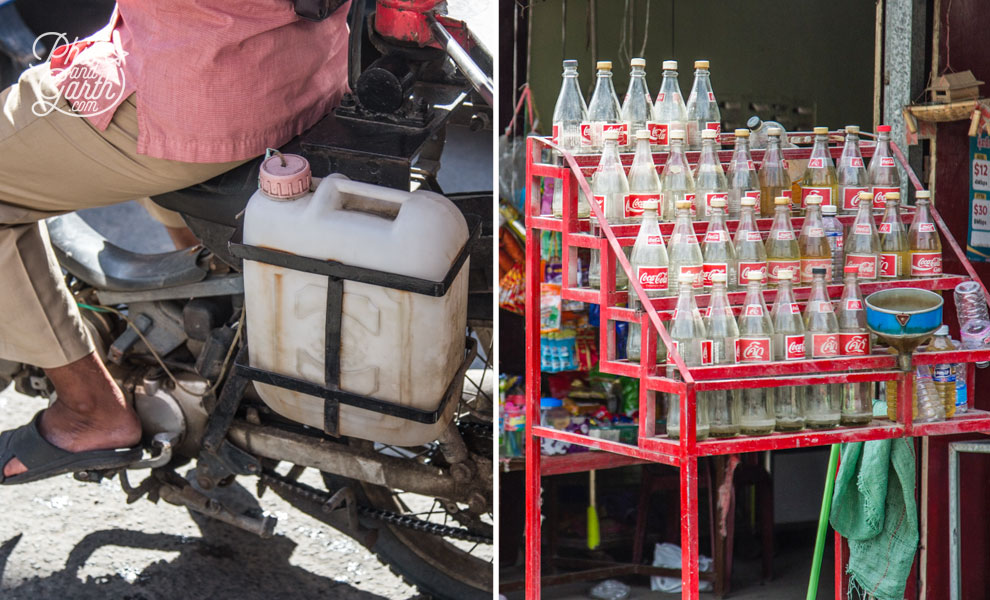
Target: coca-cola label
x: 794, y: 347
x: 600, y: 201
x: 745, y: 268
x: 710, y: 269
x: 786, y: 193
x: 661, y: 96
x: 713, y: 237
x: 795, y: 309
x: 824, y: 345
x: 697, y: 271
x: 556, y: 134
x: 754, y: 194
x: 586, y: 134
x: 862, y: 229
x: 926, y: 264
x: 807, y: 264
x: 714, y: 125
x: 884, y: 227
x: 774, y: 267
x: 824, y: 307
x: 854, y: 304
x: 824, y: 192
x: 889, y: 264
x: 814, y: 232
x: 709, y: 196
x: 856, y: 162
x: 867, y: 264
x: 816, y: 163
x: 753, y: 349
x: 652, y: 278
x: 886, y: 161
x: 635, y: 202
x: 854, y: 344
x: 659, y: 133
x: 784, y: 234
x: 750, y: 165
x: 622, y: 128
x: 707, y: 352
x: 753, y: 310
x: 654, y: 240
x: 879, y: 196
x: 926, y: 227
x: 711, y: 98
x: 754, y: 236
x: 850, y: 197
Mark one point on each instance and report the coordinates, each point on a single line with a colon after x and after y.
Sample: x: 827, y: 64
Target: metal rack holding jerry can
x: 684, y: 453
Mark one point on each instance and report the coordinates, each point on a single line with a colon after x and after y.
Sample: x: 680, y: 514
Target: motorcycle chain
x: 272, y: 479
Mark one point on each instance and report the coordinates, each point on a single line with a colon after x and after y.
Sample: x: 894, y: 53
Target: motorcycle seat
x: 86, y: 254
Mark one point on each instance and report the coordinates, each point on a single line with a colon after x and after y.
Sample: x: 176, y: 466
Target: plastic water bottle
x: 962, y: 375
x: 834, y: 234
x: 971, y: 306
x: 931, y: 408
x: 944, y: 374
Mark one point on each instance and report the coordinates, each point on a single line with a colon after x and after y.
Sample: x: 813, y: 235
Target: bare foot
x: 91, y: 412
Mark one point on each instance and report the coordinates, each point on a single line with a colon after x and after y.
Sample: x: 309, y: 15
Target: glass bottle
x: 781, y: 245
x: 718, y: 253
x: 634, y: 338
x: 669, y: 112
x: 684, y: 250
x: 709, y: 178
x: 894, y: 253
x: 882, y: 169
x: 649, y: 260
x: 637, y: 106
x: 568, y: 115
x: 744, y: 181
x: 604, y: 113
x: 822, y: 408
x: 819, y: 177
x: 690, y: 340
x: 774, y: 180
x: 702, y: 109
x: 851, y: 173
x: 812, y: 243
x: 644, y: 183
x: 676, y: 182
x: 861, y: 245
x: 720, y: 323
x: 755, y: 344
x: 751, y: 254
x: 923, y: 240
x: 854, y: 340
x: 609, y: 188
x: 788, y: 344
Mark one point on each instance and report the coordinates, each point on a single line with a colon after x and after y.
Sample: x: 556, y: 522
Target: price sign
x: 981, y: 173
x: 978, y: 246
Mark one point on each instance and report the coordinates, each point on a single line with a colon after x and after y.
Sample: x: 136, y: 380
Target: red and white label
x: 784, y: 234
x: 753, y: 310
x: 707, y: 352
x: 850, y: 197
x: 795, y: 309
x: 661, y: 96
x: 886, y: 161
x: 709, y: 196
x: 622, y: 128
x: 824, y: 345
x: 884, y: 228
x: 697, y: 271
x: 814, y: 232
x: 754, y: 194
x: 926, y: 227
x: 586, y: 135
x: 652, y: 278
x: 776, y: 266
x: 710, y: 269
x: 750, y: 165
x: 854, y: 344
x: 889, y: 265
x: 556, y: 134
x: 816, y: 163
x: 714, y: 126
x: 794, y: 347
x: 714, y: 237
x: 926, y: 264
x: 824, y: 192
x: 711, y: 96
x: 659, y: 133
x: 879, y: 196
x: 856, y: 162
x: 824, y: 307
x: 753, y: 349
x: 635, y: 203
x: 745, y: 268
x: 654, y: 240
x: 600, y: 201
x: 807, y: 264
x: 866, y: 263
x: 754, y: 236
x: 862, y: 229
x: 854, y: 304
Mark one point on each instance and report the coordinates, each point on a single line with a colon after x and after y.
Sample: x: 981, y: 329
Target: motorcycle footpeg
x: 162, y: 443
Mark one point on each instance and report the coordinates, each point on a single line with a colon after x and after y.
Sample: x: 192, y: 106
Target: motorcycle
x: 171, y: 329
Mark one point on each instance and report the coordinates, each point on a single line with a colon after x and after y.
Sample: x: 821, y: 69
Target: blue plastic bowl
x: 904, y: 312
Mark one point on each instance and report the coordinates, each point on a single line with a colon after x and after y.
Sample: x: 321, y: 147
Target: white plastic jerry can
x: 395, y: 346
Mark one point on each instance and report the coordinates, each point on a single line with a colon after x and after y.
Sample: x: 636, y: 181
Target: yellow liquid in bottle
x: 892, y: 401
x: 767, y: 195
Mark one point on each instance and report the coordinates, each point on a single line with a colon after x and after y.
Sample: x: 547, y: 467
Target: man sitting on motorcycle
x: 168, y: 95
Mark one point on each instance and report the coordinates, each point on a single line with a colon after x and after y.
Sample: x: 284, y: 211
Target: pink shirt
x: 216, y: 80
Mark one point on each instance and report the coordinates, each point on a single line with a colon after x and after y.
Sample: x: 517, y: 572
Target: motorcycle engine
x: 173, y: 407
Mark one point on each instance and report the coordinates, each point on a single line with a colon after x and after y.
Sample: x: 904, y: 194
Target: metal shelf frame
x: 685, y: 452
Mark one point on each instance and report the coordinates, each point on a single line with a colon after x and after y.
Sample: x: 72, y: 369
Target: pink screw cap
x: 284, y: 176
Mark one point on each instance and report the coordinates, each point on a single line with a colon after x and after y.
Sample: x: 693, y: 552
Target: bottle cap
x: 883, y: 129
x: 686, y: 278
x: 683, y: 204
x: 718, y: 202
x: 611, y: 134
x: 755, y: 275
x: 677, y: 134
x: 943, y: 330
x: 895, y: 196
x: 670, y: 65
x: 708, y: 134
x: 923, y: 194
x: 813, y: 199
x: 604, y: 65
x: 852, y: 129
x: 829, y: 209
x: 570, y: 64
x: 850, y: 269
x: 651, y: 205
x: 821, y: 130
x: 818, y: 271
x: 638, y: 62
x: 781, y: 200
x: 642, y: 134
x: 701, y: 64
x: 754, y: 122
x: 284, y: 176
x: 718, y: 277
x: 747, y: 201
x: 774, y: 131
x: 865, y: 196
x: 743, y: 133
x: 785, y: 274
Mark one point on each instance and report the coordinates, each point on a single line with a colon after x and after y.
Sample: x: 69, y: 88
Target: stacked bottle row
x: 670, y: 125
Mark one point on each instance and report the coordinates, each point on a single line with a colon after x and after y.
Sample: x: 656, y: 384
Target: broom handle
x: 816, y: 563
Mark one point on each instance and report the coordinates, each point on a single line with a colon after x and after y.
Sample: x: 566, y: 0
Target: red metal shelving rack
x: 685, y: 452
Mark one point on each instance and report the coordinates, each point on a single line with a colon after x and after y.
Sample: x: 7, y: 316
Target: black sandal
x: 44, y: 460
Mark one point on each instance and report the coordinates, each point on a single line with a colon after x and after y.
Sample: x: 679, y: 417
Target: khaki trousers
x: 51, y: 165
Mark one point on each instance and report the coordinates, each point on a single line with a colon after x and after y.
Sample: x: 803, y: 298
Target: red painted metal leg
x: 841, y: 558
x: 689, y: 528
x: 532, y: 396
